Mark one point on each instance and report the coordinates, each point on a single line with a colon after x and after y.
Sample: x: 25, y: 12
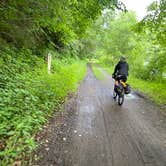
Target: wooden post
x: 49, y: 63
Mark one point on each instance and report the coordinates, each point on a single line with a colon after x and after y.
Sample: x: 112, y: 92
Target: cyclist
x: 120, y: 71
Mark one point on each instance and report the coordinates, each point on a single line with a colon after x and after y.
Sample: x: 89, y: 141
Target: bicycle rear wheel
x: 121, y: 98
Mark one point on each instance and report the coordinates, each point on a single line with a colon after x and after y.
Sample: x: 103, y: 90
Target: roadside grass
x: 98, y: 74
x: 109, y: 70
x: 28, y: 97
x: 154, y: 90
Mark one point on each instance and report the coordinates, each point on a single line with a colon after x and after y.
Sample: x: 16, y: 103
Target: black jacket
x: 121, y: 68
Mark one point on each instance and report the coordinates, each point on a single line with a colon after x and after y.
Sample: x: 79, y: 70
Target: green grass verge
x: 98, y: 74
x: 154, y: 90
x: 109, y: 70
x: 28, y: 97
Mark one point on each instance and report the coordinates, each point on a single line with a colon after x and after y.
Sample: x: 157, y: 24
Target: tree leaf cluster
x: 35, y: 24
x: 155, y: 21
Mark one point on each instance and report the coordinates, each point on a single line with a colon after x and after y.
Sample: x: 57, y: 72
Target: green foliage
x: 156, y: 66
x: 28, y: 96
x: 152, y: 28
x: 112, y: 35
x: 119, y: 35
x: 155, y: 90
x: 38, y: 24
x: 155, y: 21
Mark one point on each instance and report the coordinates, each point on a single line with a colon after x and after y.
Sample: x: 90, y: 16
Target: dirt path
x: 98, y: 132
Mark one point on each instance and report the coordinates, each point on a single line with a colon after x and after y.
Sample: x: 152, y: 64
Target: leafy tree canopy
x: 155, y: 21
x: 40, y: 23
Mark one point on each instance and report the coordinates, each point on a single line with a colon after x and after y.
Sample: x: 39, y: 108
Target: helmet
x: 123, y: 58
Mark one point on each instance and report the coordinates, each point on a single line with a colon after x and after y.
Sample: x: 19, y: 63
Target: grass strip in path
x: 98, y: 74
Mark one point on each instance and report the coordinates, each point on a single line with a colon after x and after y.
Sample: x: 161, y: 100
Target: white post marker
x: 49, y: 63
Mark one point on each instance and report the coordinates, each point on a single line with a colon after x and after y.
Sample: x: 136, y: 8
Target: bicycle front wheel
x: 114, y: 95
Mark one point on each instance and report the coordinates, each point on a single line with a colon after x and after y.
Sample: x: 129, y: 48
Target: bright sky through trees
x: 138, y: 6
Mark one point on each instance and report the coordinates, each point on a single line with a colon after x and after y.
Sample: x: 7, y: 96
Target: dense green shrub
x: 28, y: 95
